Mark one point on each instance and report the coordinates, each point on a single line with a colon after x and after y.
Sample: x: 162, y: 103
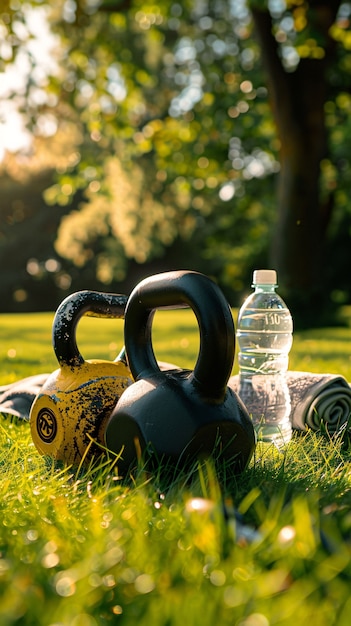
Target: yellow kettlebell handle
x: 71, y: 310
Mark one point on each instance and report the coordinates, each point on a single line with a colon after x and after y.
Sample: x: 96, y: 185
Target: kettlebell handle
x: 177, y: 289
x: 70, y: 311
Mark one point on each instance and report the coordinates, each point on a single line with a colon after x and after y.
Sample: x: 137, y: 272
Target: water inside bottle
x: 265, y: 339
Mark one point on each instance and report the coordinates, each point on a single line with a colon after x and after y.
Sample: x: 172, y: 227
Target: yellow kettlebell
x: 69, y: 415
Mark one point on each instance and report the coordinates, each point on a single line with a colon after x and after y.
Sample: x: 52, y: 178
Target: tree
x: 299, y: 89
x: 175, y: 92
x: 173, y: 88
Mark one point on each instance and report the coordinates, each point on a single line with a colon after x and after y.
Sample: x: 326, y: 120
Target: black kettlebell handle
x: 70, y: 311
x: 177, y: 289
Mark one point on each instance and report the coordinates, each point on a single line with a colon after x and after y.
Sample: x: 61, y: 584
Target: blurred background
x: 208, y: 135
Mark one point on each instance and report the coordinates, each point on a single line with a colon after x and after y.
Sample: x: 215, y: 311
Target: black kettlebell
x: 173, y: 417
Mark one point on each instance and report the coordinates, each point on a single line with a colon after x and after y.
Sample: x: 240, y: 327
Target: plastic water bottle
x: 264, y: 335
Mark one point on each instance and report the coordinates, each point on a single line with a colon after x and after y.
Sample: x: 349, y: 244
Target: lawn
x: 86, y: 548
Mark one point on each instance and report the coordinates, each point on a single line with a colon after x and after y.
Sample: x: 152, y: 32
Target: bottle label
x: 253, y: 319
x: 273, y: 319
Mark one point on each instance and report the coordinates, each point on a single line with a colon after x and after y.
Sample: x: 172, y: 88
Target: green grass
x: 85, y: 548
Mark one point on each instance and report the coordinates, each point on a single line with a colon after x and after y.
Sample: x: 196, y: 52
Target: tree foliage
x: 183, y: 134
x: 173, y: 91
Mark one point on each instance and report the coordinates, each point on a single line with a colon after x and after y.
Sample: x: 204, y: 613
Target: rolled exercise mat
x: 16, y: 398
x: 317, y: 400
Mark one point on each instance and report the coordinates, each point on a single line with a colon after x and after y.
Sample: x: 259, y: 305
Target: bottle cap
x: 264, y: 277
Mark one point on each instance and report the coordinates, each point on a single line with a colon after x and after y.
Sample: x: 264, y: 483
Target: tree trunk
x: 298, y: 99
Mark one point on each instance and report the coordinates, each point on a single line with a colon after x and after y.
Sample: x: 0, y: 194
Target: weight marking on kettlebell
x: 46, y: 425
